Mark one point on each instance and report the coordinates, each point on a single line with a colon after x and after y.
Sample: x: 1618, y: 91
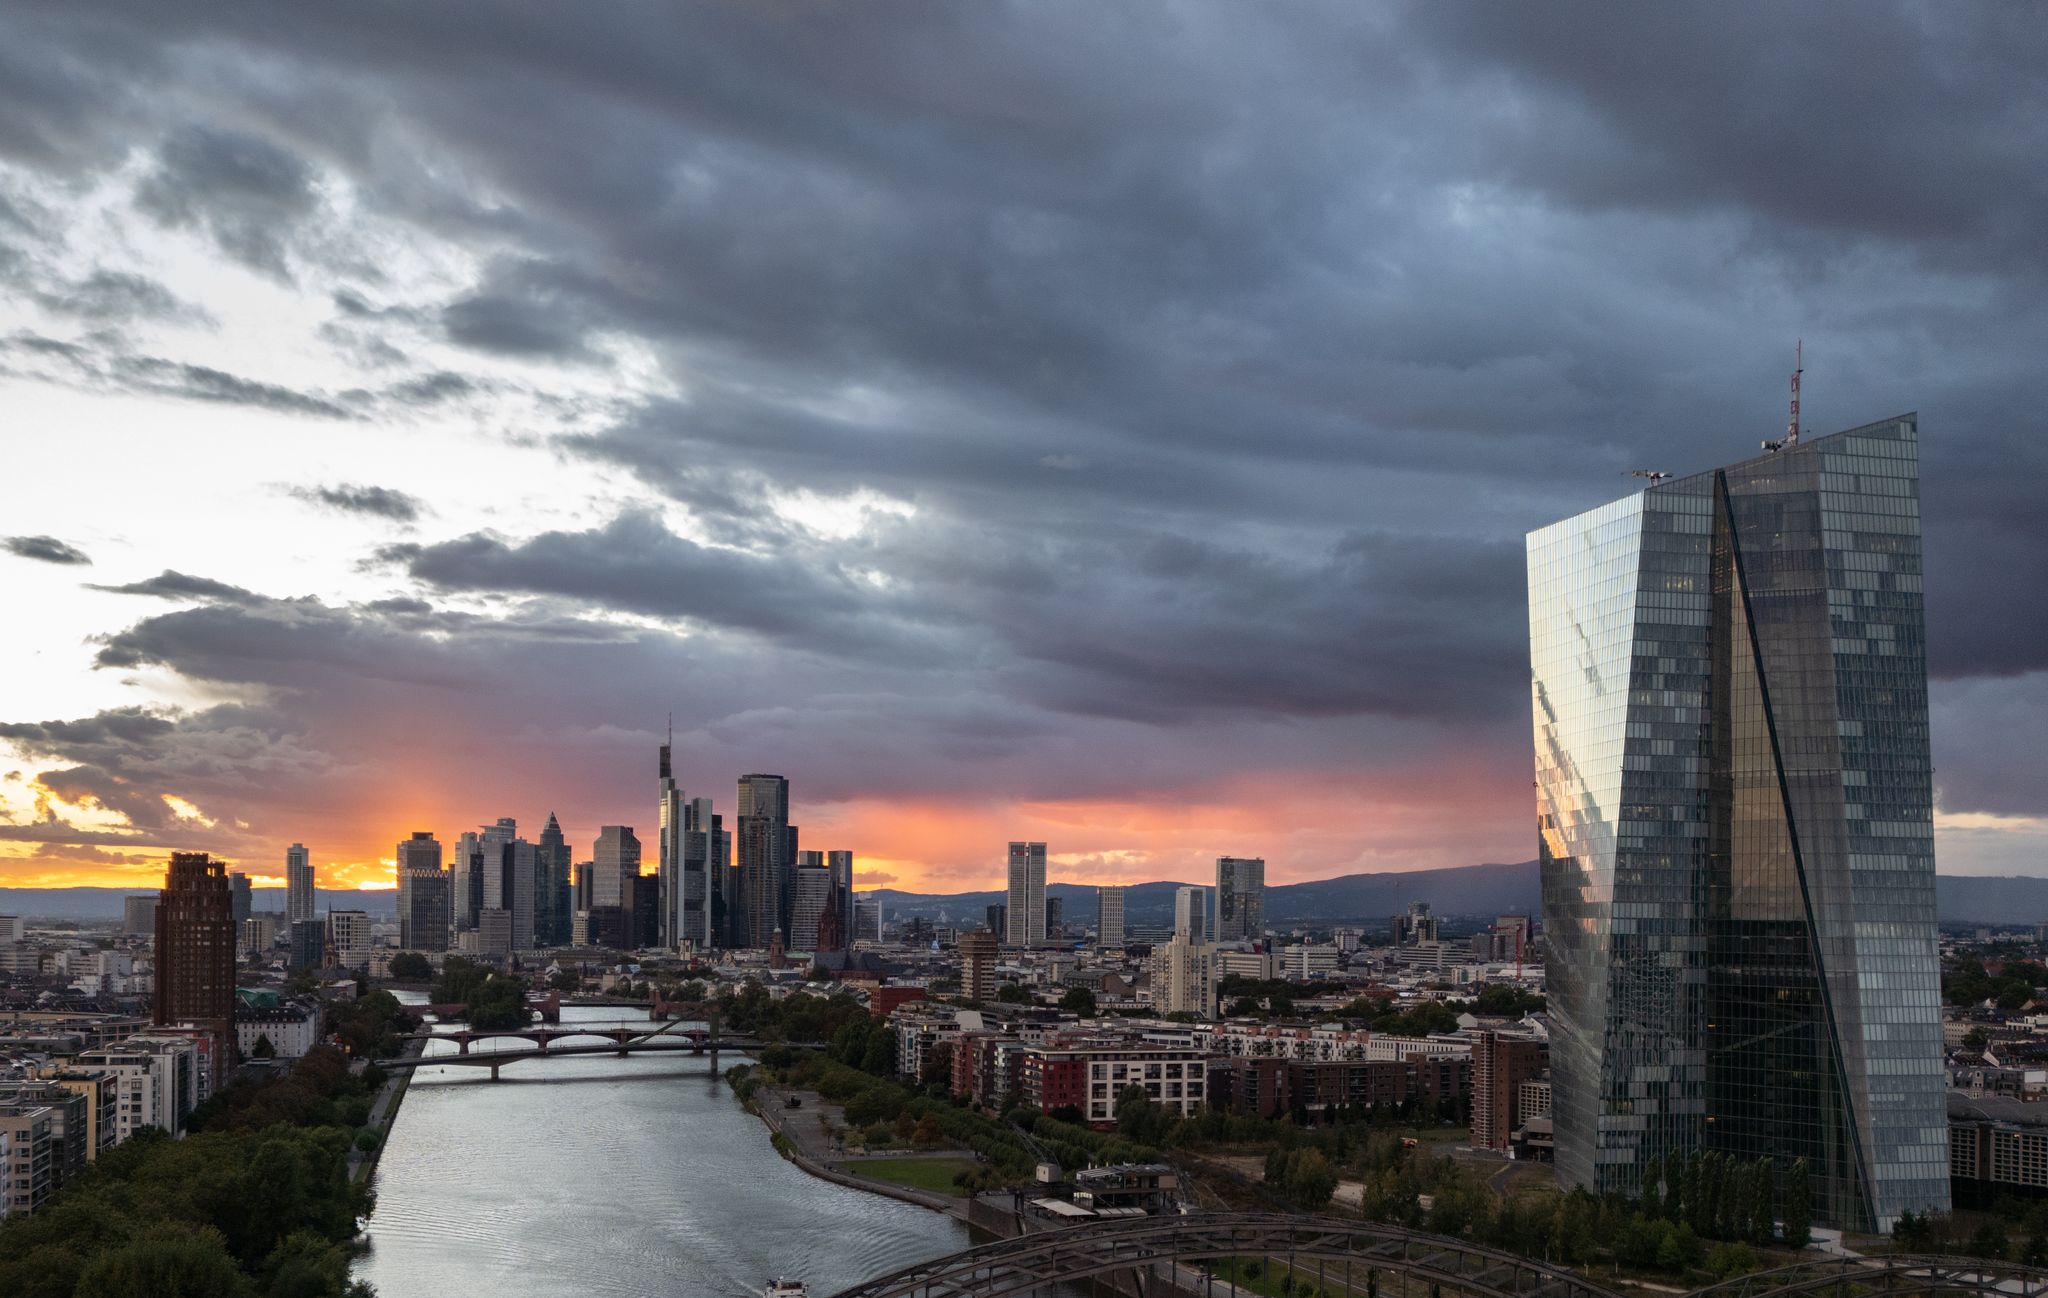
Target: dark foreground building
x: 1735, y: 814
x: 195, y: 947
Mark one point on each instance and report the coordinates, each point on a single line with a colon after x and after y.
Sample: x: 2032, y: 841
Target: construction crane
x: 1791, y: 437
x: 1654, y: 475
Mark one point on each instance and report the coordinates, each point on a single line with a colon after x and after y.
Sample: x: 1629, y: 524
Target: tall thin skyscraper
x: 195, y: 948
x: 765, y: 845
x: 551, y: 904
x: 1240, y: 898
x: 239, y: 888
x: 839, y: 926
x: 1734, y: 812
x: 468, y: 883
x: 686, y: 881
x: 1026, y: 919
x: 1191, y: 918
x: 1109, y: 917
x: 423, y: 908
x: 298, y: 884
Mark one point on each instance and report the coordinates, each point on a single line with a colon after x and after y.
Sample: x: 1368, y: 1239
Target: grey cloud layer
x: 1219, y: 359
x: 46, y: 548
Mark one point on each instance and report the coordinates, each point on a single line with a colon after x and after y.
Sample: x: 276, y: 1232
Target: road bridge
x: 544, y: 1037
x: 1366, y: 1258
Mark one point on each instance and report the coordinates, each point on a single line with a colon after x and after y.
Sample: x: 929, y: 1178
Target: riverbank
x: 362, y: 1163
x: 801, y: 1136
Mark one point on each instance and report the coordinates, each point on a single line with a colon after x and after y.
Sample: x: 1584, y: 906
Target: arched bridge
x: 1897, y: 1275
x: 544, y: 1037
x: 1365, y: 1258
x: 1358, y: 1249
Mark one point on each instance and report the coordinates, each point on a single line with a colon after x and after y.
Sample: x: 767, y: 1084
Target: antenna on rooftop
x: 1791, y: 437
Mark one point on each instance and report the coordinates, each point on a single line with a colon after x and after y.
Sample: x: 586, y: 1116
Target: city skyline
x: 1135, y: 461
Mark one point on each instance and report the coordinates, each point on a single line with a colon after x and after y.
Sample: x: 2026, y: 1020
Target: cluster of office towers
x: 1735, y: 817
x: 1233, y: 911
x: 749, y: 886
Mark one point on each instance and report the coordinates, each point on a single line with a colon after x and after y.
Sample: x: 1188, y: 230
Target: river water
x: 606, y: 1175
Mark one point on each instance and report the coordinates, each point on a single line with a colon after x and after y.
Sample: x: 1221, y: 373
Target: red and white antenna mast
x: 1798, y: 368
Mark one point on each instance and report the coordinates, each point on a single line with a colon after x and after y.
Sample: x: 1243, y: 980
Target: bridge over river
x: 609, y: 1039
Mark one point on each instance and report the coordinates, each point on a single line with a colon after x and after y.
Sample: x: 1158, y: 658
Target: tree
x: 1798, y: 1206
x: 263, y: 1049
x: 167, y: 1261
x: 411, y: 966
x: 1013, y: 994
x: 1079, y: 1000
x: 1762, y: 1202
x: 1989, y: 1241
x: 927, y: 1133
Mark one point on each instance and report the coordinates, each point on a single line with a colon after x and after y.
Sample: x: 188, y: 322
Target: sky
x: 1111, y: 425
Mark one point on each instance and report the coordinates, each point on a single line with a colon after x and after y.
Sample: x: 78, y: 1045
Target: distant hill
x: 105, y: 903
x: 1464, y: 890
x: 1991, y: 899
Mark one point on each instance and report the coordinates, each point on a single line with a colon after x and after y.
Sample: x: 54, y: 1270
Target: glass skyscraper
x: 1735, y: 815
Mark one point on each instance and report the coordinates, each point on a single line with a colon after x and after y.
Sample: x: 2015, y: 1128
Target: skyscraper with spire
x: 551, y: 906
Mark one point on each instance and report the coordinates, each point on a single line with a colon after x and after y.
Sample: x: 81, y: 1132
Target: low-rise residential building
x: 158, y: 1081
x: 292, y: 1029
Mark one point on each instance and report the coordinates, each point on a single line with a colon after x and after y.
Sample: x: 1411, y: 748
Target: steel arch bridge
x: 1044, y: 1258
x: 1362, y: 1255
x: 1892, y: 1276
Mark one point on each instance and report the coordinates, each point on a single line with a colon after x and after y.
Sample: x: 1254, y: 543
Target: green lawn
x: 934, y: 1174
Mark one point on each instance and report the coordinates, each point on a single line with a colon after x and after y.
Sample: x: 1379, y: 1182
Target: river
x: 606, y: 1175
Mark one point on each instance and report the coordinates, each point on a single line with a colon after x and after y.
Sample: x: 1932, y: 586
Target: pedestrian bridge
x: 1364, y: 1258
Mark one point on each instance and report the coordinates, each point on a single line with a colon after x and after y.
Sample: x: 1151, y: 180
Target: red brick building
x: 195, y: 948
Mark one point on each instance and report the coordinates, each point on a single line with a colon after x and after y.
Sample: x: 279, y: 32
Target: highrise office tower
x: 840, y: 863
x: 615, y: 862
x: 1734, y: 806
x: 1055, y: 917
x: 673, y: 862
x: 867, y: 919
x: 1025, y: 920
x: 468, y: 884
x: 195, y: 948
x: 422, y: 895
x: 551, y: 904
x: 1240, y: 898
x: 810, y: 894
x: 239, y: 892
x: 298, y: 883
x: 1191, y: 913
x: 765, y: 846
x: 703, y: 872
x: 1109, y: 917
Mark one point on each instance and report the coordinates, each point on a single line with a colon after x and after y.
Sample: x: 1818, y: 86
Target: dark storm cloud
x: 46, y: 548
x: 636, y: 564
x: 170, y: 584
x: 373, y: 502
x: 245, y: 191
x: 1218, y: 360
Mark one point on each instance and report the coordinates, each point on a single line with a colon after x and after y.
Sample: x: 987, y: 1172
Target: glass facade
x: 1735, y: 818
